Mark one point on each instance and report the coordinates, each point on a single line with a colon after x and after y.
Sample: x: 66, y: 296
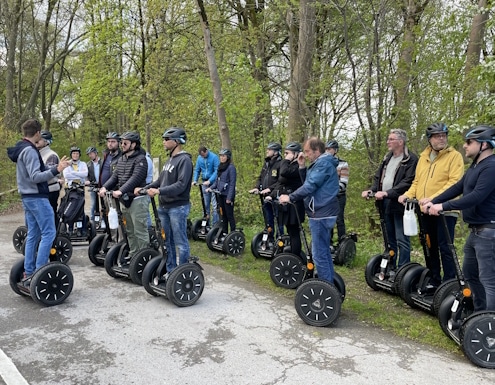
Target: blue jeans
x: 40, y: 222
x: 210, y: 200
x: 479, y: 268
x: 399, y: 243
x: 174, y: 222
x: 439, y: 247
x: 320, y: 246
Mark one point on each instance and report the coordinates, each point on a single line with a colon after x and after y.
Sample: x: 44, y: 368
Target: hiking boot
x: 26, y: 280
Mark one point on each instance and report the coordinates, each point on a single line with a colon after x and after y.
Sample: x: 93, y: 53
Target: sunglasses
x: 166, y: 138
x: 469, y: 141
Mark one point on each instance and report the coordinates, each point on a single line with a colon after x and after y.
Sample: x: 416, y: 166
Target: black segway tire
x: 61, y: 250
x: 91, y: 228
x: 234, y: 243
x: 448, y: 287
x: 445, y: 313
x: 287, y: 271
x: 399, y: 275
x: 345, y: 253
x: 339, y: 283
x: 118, y: 253
x: 196, y: 228
x: 373, y: 268
x: 210, y: 237
x: 16, y: 274
x: 477, y: 339
x: 96, y: 247
x: 139, y: 262
x: 318, y: 302
x: 185, y: 284
x: 19, y: 237
x: 150, y: 275
x: 256, y: 244
x: 409, y: 284
x: 52, y: 284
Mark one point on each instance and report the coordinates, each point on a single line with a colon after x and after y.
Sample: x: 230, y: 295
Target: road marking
x: 9, y: 372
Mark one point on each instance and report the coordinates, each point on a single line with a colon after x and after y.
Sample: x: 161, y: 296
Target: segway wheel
x: 91, y: 229
x: 345, y: 253
x: 117, y: 255
x: 138, y: 263
x: 399, y: 275
x: 373, y: 268
x: 210, y: 238
x: 52, y: 284
x: 445, y: 313
x: 409, y: 284
x: 196, y: 229
x: 16, y: 274
x: 256, y: 244
x: 61, y: 250
x: 448, y: 287
x: 19, y: 237
x: 287, y: 271
x: 96, y: 248
x: 185, y: 284
x: 234, y: 243
x: 477, y: 339
x: 339, y: 283
x: 151, y: 276
x: 317, y: 302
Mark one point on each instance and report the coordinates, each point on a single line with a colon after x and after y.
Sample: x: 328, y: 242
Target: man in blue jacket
x: 319, y: 192
x: 207, y: 166
x: 32, y: 183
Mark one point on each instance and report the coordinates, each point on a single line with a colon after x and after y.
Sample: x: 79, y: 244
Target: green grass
x: 376, y: 308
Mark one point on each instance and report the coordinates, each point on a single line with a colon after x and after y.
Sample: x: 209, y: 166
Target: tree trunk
x: 215, y: 78
x: 299, y: 113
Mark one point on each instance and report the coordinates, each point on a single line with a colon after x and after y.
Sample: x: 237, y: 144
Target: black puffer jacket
x: 130, y: 172
x: 269, y: 173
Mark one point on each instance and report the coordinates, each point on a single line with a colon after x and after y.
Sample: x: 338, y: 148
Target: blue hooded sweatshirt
x: 320, y: 188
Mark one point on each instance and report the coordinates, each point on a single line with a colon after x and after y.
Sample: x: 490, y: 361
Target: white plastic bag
x: 410, y: 221
x: 113, y: 219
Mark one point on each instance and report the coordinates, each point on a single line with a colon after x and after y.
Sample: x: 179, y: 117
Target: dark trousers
x: 227, y: 213
x: 342, y: 198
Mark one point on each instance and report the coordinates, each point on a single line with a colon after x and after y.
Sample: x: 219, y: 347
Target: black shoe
x: 26, y: 280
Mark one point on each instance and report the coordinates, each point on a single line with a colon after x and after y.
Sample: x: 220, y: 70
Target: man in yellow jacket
x: 439, y: 167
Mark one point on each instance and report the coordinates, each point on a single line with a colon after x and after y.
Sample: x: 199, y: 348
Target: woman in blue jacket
x: 225, y: 184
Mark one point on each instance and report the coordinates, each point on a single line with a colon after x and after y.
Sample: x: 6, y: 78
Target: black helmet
x: 274, y: 146
x: 482, y: 133
x: 91, y: 149
x: 293, y: 146
x: 436, y: 128
x: 175, y: 133
x: 113, y: 135
x: 332, y: 144
x: 75, y: 149
x: 132, y: 136
x: 47, y: 135
x: 225, y: 151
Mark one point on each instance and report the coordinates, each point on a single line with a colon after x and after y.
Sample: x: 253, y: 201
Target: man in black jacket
x: 130, y: 172
x: 393, y: 178
x: 267, y: 181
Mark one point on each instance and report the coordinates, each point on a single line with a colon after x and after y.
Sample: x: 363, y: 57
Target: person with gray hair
x: 392, y: 179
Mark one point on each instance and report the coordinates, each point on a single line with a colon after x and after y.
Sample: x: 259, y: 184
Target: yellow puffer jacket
x: 433, y: 178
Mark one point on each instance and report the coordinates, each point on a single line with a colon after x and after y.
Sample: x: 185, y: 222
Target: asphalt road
x: 110, y: 331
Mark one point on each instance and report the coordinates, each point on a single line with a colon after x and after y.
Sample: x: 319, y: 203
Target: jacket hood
x: 14, y: 152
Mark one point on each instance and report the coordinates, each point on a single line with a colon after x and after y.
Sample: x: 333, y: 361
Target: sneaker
x: 26, y: 280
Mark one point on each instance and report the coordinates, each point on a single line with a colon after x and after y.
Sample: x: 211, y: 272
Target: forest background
x: 242, y: 73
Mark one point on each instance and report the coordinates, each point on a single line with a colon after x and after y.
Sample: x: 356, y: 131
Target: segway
x: 118, y: 263
x: 19, y: 237
x: 183, y: 285
x: 99, y: 220
x: 380, y: 272
x: 473, y: 331
x: 50, y: 285
x: 71, y: 210
x: 101, y: 243
x: 201, y: 227
x: 232, y: 243
x: 415, y: 286
x: 263, y: 244
x: 344, y: 253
